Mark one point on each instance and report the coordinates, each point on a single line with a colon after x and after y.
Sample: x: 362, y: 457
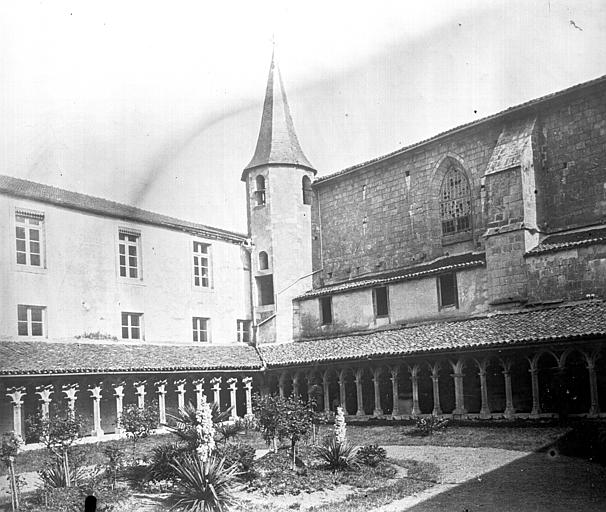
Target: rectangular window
x: 201, y: 264
x: 243, y: 327
x: 132, y: 326
x: 381, y: 301
x: 30, y: 320
x: 200, y: 328
x: 29, y: 237
x: 326, y: 310
x: 447, y: 290
x: 129, y: 248
x: 265, y: 287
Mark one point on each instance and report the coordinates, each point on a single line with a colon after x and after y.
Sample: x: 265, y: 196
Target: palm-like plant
x: 337, y: 456
x: 203, y: 486
x: 186, y: 420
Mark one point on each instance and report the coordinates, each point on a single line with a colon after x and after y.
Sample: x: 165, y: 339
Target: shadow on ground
x: 539, y: 482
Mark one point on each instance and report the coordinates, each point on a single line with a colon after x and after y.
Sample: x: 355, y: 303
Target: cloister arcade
x: 529, y: 383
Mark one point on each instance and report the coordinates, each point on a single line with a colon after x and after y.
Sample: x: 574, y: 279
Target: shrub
x: 53, y: 475
x: 371, y: 455
x: 430, y: 425
x: 138, y: 422
x: 71, y: 499
x: 203, y: 486
x: 115, y: 462
x: 162, y: 457
x: 337, y: 456
x: 241, y: 455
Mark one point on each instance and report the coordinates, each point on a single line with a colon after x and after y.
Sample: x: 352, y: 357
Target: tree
x: 296, y: 422
x: 138, y: 422
x: 268, y: 410
x: 58, y: 431
x: 9, y: 448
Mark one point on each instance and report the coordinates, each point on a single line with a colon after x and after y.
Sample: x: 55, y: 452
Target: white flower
x: 340, y: 432
x: 206, y: 431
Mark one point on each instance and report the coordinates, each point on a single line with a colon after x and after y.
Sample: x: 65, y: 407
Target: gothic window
x: 307, y: 192
x: 260, y: 190
x: 263, y: 261
x: 455, y: 202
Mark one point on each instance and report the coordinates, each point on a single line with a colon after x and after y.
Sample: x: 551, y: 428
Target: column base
x: 97, y: 432
x: 485, y: 414
x: 509, y: 413
x: 436, y: 412
x: 360, y: 413
x: 377, y: 412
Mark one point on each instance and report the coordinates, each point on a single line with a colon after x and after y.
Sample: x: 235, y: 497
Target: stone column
x: 281, y: 385
x: 594, y: 409
x: 95, y: 393
x: 295, y: 385
x: 536, y: 404
x: 326, y: 390
x: 215, y: 382
x: 232, y: 382
x: 45, y: 392
x: 359, y: 373
x: 140, y: 392
x: 414, y: 380
x: 376, y: 374
x: 16, y: 395
x: 435, y: 379
x: 343, y: 392
x: 119, y: 394
x: 509, y: 408
x: 457, y: 376
x: 247, y: 383
x: 395, y: 375
x: 485, y: 407
x: 199, y: 385
x: 70, y: 391
x: 161, y: 392
x: 180, y: 393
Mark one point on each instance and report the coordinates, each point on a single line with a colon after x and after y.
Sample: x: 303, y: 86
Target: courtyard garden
x: 285, y: 457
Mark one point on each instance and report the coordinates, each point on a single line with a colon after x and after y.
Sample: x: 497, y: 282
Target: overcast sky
x: 158, y: 104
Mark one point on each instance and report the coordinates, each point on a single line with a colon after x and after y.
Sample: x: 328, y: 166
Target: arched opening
x: 260, y: 190
x: 521, y: 384
x: 263, y: 261
x: 495, y: 382
x: 575, y: 388
x: 306, y: 188
x: 455, y: 202
x: 550, y: 383
x: 425, y: 390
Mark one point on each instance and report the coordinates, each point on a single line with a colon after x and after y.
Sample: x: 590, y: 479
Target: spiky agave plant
x: 337, y: 456
x: 186, y: 420
x: 203, y: 486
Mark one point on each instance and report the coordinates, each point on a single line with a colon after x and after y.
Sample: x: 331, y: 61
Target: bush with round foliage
x: 371, y: 455
x: 242, y: 455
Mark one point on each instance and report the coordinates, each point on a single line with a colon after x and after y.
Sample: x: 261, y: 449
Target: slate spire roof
x: 277, y: 143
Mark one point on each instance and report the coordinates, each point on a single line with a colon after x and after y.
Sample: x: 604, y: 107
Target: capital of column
x: 119, y: 390
x: 180, y: 385
x: 160, y: 387
x: 140, y: 387
x: 16, y: 395
x: 232, y: 382
x: 198, y: 384
x: 247, y: 382
x: 70, y: 391
x: 95, y: 392
x: 45, y: 392
x: 216, y: 382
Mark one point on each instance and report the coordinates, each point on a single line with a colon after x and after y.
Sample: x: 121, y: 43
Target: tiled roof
x: 66, y: 198
x: 458, y: 262
x: 511, y: 110
x: 569, y: 240
x: 36, y: 357
x: 548, y: 324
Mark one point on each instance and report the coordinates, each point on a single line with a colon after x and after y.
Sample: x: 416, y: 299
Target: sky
x: 158, y: 104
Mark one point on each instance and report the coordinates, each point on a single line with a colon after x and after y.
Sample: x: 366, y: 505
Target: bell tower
x: 279, y: 197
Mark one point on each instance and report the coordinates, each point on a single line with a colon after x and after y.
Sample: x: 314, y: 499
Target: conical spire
x: 277, y: 143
